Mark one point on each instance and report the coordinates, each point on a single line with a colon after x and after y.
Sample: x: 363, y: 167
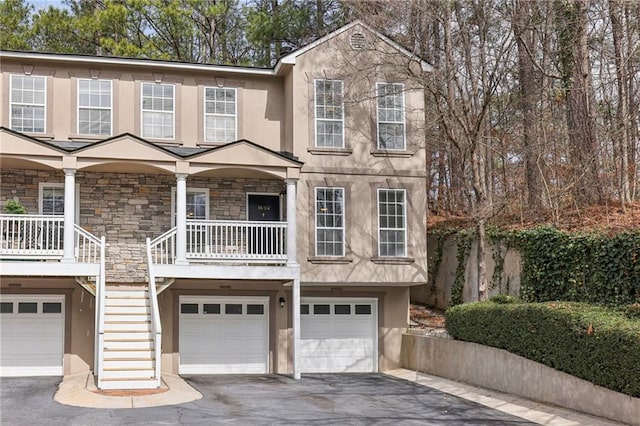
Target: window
x: 51, y: 308
x: 219, y: 114
x: 188, y: 308
x: 157, y: 111
x: 321, y: 309
x: 391, y: 126
x: 28, y: 100
x: 363, y: 309
x: 329, y: 221
x: 233, y: 309
x: 27, y: 308
x: 52, y: 199
x: 392, y: 222
x: 255, y: 309
x: 211, y: 308
x: 329, y: 114
x: 94, y: 107
x: 197, y: 204
x: 342, y: 309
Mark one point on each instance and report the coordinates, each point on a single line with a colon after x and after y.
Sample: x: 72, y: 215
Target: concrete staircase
x: 128, y: 356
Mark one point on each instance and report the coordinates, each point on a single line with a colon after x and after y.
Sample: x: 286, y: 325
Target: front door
x: 263, y: 207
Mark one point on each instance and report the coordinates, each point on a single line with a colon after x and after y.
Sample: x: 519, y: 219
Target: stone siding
x: 128, y: 207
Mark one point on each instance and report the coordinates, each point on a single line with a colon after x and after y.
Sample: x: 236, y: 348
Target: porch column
x: 68, y: 254
x: 291, y: 223
x: 181, y: 219
x: 296, y: 328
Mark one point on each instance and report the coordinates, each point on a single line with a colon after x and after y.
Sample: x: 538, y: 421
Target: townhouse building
x: 208, y: 219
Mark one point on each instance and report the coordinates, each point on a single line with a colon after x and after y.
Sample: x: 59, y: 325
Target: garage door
x: 224, y: 335
x: 31, y: 335
x: 338, y: 335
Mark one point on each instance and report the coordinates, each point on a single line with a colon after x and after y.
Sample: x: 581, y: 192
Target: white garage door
x: 31, y: 335
x: 338, y: 335
x: 224, y: 335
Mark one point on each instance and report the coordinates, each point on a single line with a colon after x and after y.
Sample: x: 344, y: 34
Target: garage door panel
x: 32, y: 344
x: 338, y: 340
x: 230, y: 341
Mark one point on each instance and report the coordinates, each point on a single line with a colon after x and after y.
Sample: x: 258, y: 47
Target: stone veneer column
x: 68, y: 254
x: 181, y: 219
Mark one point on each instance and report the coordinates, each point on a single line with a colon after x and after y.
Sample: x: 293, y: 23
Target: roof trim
x: 251, y: 144
x: 32, y: 139
x: 290, y: 59
x: 193, y: 156
x: 184, y: 66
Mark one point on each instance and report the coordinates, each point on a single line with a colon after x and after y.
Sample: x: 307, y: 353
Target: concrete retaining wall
x: 439, y: 294
x: 500, y: 370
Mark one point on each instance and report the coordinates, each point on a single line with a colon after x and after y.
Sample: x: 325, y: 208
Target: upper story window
x: 392, y: 222
x: 391, y: 120
x: 329, y: 111
x: 158, y: 116
x: 94, y: 107
x: 329, y: 221
x: 220, y: 115
x: 28, y: 103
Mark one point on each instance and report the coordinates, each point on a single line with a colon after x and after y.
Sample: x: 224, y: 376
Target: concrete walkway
x: 80, y: 391
x: 526, y: 409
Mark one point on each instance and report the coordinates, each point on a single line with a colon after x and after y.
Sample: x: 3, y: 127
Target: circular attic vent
x: 358, y: 41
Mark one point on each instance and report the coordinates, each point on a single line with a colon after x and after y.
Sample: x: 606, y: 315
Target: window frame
x: 404, y: 229
x: 110, y: 108
x: 213, y: 114
x: 143, y: 110
x: 32, y: 105
x: 174, y: 206
x: 315, y: 113
x: 41, y: 188
x: 317, y: 228
x: 379, y: 146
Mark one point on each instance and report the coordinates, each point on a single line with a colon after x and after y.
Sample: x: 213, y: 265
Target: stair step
x: 128, y: 335
x: 126, y: 345
x: 126, y: 301
x: 127, y: 309
x: 126, y: 294
x: 128, y: 353
x: 127, y: 318
x: 127, y: 326
x: 129, y: 383
x: 128, y: 364
x: 129, y: 373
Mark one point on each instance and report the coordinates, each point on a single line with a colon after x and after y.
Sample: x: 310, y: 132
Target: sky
x: 42, y: 4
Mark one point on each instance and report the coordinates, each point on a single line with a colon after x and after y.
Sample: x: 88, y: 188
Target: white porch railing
x: 225, y: 241
x: 40, y: 237
x: 29, y: 236
x: 100, y: 314
x: 156, y: 326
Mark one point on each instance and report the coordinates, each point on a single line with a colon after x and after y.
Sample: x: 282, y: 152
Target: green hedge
x: 581, y: 267
x: 598, y: 344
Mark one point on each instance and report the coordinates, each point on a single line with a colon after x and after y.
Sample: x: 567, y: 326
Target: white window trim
x: 204, y: 111
x: 404, y: 214
x: 404, y: 119
x: 343, y: 228
x: 192, y: 190
x: 110, y: 108
x: 275, y: 194
x: 315, y: 114
x: 11, y: 102
x: 142, y: 111
x: 43, y: 185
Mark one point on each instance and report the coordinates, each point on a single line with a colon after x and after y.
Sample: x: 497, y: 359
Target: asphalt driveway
x: 255, y: 400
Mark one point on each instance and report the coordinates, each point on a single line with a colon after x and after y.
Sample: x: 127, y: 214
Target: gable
x: 243, y: 153
x: 126, y: 147
x: 14, y: 143
x: 346, y: 31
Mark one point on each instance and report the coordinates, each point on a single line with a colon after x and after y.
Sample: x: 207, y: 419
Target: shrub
x: 504, y: 298
x: 632, y: 311
x: 594, y: 343
x: 14, y: 207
